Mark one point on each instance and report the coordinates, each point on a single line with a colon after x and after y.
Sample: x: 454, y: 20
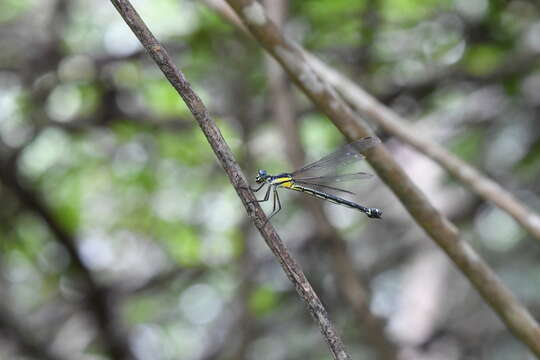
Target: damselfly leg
x: 257, y: 189
x: 276, y: 201
x: 266, y: 196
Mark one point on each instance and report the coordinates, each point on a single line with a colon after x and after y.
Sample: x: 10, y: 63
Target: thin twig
x: 445, y: 234
x: 237, y: 178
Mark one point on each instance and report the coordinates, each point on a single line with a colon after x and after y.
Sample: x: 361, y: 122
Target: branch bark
x: 292, y: 58
x: 237, y: 178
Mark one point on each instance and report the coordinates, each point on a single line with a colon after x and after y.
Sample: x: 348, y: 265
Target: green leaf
x: 411, y: 10
x: 190, y: 147
x: 468, y: 146
x: 10, y: 9
x: 183, y: 243
x: 263, y: 300
x: 163, y: 99
x: 142, y: 309
x: 483, y: 59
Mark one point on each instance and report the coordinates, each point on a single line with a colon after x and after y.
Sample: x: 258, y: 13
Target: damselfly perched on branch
x: 315, y: 178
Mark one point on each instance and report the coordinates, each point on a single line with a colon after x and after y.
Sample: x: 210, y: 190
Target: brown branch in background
x: 445, y: 234
x: 97, y: 297
x: 486, y: 188
x: 237, y: 178
x: 349, y: 283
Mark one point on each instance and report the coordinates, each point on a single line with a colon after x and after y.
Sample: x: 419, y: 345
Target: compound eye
x: 262, y: 172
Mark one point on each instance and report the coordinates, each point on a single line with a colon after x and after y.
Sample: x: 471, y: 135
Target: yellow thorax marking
x: 283, y: 181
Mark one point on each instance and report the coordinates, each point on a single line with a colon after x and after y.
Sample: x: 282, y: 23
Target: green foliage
x: 319, y: 134
x: 30, y: 235
x: 326, y: 31
x: 319, y: 9
x: 263, y: 300
x: 529, y: 165
x: 10, y: 9
x: 182, y: 242
x: 213, y: 23
x: 188, y: 147
x: 406, y: 11
x: 67, y: 202
x: 125, y: 130
x: 128, y: 74
x: 162, y: 98
x: 90, y: 99
x: 483, y: 59
x: 142, y: 309
x: 237, y: 240
x: 469, y: 145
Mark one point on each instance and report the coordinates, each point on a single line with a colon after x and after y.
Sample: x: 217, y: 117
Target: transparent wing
x: 345, y: 155
x: 322, y: 182
x: 324, y: 188
x: 327, y: 179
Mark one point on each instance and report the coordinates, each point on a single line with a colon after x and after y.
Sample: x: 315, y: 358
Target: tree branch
x: 445, y: 234
x: 486, y: 188
x: 237, y: 178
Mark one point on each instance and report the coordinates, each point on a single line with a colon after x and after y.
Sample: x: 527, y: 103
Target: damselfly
x: 315, y: 178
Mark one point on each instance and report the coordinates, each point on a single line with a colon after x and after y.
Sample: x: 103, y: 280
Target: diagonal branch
x: 237, y: 178
x: 368, y: 106
x: 445, y: 234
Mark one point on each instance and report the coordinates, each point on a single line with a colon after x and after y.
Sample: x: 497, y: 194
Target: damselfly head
x: 374, y: 213
x: 262, y: 175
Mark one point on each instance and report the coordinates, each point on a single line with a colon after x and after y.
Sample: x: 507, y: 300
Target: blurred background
x: 121, y: 237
